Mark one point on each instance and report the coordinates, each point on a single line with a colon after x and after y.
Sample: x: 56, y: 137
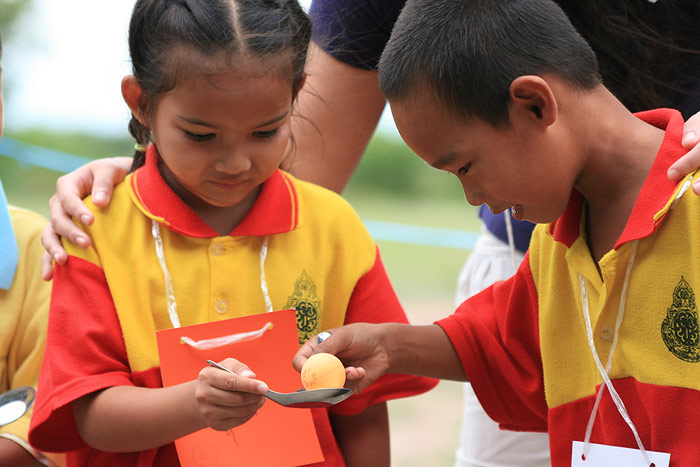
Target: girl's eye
x: 464, y: 170
x: 199, y: 137
x: 266, y: 134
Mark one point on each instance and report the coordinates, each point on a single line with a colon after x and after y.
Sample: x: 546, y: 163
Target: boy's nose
x: 473, y: 197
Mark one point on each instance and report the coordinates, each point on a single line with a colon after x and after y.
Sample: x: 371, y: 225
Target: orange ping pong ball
x: 322, y: 370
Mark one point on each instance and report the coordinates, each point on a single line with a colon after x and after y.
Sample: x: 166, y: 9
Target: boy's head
x: 469, y: 52
x: 476, y: 87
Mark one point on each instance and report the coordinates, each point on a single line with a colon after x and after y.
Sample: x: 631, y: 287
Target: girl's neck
x: 223, y: 220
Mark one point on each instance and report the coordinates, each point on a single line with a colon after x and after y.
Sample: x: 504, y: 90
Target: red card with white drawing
x: 267, y: 342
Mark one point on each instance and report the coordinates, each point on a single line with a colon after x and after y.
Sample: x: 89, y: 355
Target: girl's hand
x: 97, y: 177
x: 691, y: 161
x: 227, y: 400
x: 359, y: 346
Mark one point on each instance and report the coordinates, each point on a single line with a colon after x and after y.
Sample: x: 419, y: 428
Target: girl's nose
x: 234, y: 162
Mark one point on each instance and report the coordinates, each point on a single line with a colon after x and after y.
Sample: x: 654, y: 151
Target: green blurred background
x: 391, y: 185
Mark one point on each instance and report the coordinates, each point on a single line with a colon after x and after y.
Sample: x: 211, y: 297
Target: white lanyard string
x: 169, y: 292
x: 604, y: 370
x: 618, y: 322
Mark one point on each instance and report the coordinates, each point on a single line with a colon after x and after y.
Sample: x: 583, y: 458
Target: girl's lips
x: 228, y: 186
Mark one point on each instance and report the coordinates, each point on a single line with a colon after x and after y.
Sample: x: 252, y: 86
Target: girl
x: 203, y: 221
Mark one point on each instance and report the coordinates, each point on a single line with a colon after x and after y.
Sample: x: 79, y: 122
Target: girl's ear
x: 134, y: 98
x: 532, y: 98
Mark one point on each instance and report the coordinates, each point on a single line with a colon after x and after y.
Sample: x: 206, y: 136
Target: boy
x: 506, y: 95
x: 24, y: 309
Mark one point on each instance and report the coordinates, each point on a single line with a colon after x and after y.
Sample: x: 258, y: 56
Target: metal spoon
x: 15, y: 403
x: 302, y: 398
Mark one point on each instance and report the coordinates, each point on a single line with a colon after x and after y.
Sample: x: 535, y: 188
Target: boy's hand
x: 227, y: 400
x: 97, y: 177
x: 691, y: 161
x: 359, y: 346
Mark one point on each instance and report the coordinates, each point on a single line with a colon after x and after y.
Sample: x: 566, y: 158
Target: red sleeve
x: 374, y: 301
x: 85, y: 352
x: 496, y: 336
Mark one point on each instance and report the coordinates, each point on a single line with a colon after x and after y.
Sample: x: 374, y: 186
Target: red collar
x: 654, y: 195
x: 275, y: 211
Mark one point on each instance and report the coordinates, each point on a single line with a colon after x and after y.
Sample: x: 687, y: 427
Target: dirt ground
x: 425, y: 428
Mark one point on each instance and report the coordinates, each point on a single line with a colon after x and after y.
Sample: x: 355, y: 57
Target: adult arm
x: 97, y: 178
x: 337, y: 112
x: 691, y: 161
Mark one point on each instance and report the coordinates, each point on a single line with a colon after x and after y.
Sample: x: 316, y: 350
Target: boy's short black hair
x: 469, y: 51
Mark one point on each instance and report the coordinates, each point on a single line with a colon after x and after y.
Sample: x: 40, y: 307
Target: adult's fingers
x: 107, y: 173
x: 691, y: 161
x: 61, y: 224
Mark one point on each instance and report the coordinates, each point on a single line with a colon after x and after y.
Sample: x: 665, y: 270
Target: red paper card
x: 276, y: 435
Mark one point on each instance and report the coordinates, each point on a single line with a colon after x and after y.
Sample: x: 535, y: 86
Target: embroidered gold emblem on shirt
x: 679, y: 329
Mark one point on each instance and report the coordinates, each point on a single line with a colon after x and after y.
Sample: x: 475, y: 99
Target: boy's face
x: 521, y: 166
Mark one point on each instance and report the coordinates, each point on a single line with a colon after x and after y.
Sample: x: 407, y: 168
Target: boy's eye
x: 464, y: 170
x: 199, y: 137
x: 266, y: 134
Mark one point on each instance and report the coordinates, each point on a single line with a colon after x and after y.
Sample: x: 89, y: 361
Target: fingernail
x: 262, y: 387
x: 80, y: 241
x: 247, y: 374
x: 99, y: 197
x: 55, y: 256
x: 673, y: 173
x: 689, y: 137
x: 85, y: 219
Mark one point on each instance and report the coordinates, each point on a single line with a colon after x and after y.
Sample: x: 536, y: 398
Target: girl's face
x: 220, y: 136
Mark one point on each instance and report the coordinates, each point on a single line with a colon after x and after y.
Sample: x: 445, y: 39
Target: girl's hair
x: 163, y: 32
x: 468, y: 52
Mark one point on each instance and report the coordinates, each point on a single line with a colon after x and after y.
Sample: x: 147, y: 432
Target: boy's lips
x: 517, y: 211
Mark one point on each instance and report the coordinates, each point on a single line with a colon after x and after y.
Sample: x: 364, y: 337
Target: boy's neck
x: 619, y: 154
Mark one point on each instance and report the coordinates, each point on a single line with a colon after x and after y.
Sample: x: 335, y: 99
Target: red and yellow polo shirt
x: 523, y: 342
x: 109, y: 300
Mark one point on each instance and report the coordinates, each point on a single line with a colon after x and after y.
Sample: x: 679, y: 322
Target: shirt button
x: 221, y: 306
x: 217, y: 249
x: 605, y: 333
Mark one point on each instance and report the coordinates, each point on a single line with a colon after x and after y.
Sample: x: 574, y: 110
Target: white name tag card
x: 600, y: 455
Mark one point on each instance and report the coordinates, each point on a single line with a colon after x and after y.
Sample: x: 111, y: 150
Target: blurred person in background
x: 24, y: 311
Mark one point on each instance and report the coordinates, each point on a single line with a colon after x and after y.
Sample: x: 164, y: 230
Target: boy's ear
x: 134, y: 98
x: 532, y: 97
